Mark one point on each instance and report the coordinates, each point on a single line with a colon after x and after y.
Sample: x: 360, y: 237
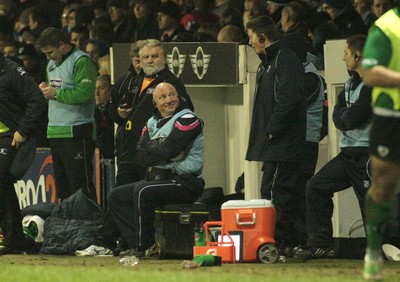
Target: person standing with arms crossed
x: 381, y: 64
x: 70, y: 90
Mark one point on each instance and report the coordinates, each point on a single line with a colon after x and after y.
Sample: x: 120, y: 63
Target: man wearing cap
x: 168, y: 18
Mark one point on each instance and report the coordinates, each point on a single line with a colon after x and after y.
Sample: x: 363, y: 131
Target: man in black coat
x: 21, y: 107
x: 278, y: 126
x: 136, y: 107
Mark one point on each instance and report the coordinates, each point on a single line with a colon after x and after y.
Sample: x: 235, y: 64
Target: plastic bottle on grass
x: 188, y: 264
x: 129, y: 261
x: 208, y: 260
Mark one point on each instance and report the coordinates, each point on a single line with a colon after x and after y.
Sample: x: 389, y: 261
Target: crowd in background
x: 94, y: 25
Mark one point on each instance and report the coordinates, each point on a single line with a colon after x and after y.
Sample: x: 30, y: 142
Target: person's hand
x: 17, y: 140
x: 179, y: 157
x: 49, y: 93
x: 42, y: 85
x: 123, y: 111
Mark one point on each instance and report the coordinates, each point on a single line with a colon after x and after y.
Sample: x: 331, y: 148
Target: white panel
x: 236, y: 144
x: 209, y: 106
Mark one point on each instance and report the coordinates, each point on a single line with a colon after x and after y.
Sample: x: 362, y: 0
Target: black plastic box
x: 175, y: 226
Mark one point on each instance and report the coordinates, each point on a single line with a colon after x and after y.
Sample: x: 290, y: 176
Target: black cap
x: 171, y: 9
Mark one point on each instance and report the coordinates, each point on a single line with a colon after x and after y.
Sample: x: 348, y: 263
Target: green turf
x: 64, y: 268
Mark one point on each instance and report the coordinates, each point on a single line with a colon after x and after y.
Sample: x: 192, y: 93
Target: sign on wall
x: 38, y: 184
x: 194, y: 63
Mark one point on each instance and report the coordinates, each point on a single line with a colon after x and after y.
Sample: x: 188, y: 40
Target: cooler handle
x: 238, y: 222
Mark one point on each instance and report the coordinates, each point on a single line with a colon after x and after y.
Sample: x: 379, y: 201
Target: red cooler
x: 253, y: 223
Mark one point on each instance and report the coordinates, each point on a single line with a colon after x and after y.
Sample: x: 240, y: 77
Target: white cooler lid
x: 256, y: 203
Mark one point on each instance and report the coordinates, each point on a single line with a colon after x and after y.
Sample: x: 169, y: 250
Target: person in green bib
x: 381, y: 65
x: 70, y: 90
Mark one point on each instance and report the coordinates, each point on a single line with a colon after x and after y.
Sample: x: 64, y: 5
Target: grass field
x: 38, y: 268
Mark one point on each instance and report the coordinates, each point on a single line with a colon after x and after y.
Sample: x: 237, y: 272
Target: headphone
x: 261, y: 38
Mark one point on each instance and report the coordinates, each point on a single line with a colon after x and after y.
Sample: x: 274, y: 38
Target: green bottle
x: 208, y: 260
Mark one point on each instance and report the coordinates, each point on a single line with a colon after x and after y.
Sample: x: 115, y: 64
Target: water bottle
x: 129, y: 261
x: 208, y: 260
x: 189, y: 264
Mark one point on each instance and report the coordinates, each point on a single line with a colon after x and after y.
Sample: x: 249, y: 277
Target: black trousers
x: 129, y: 173
x: 73, y: 165
x: 10, y: 213
x: 132, y: 207
x: 109, y: 233
x: 307, y: 170
x: 342, y: 172
x: 279, y: 184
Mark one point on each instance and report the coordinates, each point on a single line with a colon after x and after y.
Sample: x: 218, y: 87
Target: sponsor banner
x: 194, y: 63
x: 38, y: 184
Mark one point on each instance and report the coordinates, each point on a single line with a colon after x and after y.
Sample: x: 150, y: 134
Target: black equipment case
x: 174, y: 225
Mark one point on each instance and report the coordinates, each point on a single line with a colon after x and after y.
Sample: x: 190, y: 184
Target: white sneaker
x: 93, y: 251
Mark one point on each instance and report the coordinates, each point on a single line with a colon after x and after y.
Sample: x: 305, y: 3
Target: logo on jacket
x: 200, y: 62
x: 78, y: 156
x: 4, y: 151
x: 176, y: 61
x: 21, y: 71
x: 56, y: 83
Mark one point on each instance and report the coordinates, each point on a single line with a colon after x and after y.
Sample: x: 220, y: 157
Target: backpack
x: 309, y: 98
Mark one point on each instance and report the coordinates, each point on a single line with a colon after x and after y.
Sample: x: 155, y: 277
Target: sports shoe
x: 314, y: 253
x: 152, y: 252
x: 93, y: 251
x: 372, y: 269
x: 132, y: 252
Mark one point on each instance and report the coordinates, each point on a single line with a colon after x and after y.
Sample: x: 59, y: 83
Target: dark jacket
x: 179, y: 35
x: 353, y: 117
x: 119, y: 96
x: 21, y: 102
x: 72, y: 225
x: 122, y: 32
x: 105, y: 131
x: 349, y: 22
x: 278, y: 108
x: 144, y: 29
x: 142, y: 109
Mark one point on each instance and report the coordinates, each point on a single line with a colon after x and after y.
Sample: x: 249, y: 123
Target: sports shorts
x: 385, y: 138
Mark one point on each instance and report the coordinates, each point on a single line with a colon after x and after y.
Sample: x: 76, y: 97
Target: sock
x: 376, y: 225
